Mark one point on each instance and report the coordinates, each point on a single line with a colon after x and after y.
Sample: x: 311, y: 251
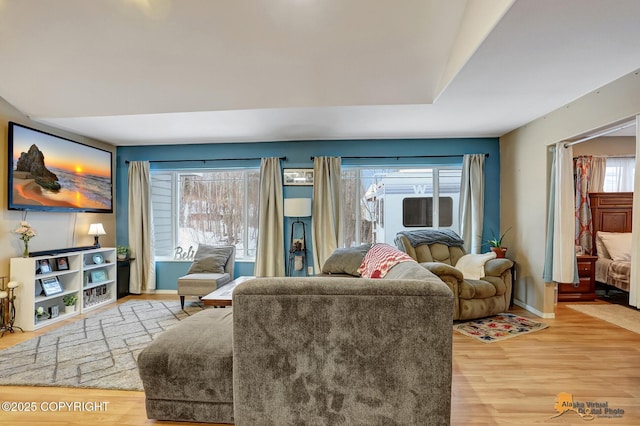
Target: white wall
x: 524, y: 164
x: 55, y: 230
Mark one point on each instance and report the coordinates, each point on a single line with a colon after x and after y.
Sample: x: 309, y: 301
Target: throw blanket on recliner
x: 472, y: 265
x: 431, y: 236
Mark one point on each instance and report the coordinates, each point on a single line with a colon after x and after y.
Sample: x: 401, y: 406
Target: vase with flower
x: 26, y: 232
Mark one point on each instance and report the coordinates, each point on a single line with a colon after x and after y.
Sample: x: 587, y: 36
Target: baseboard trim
x: 534, y: 310
x: 156, y: 291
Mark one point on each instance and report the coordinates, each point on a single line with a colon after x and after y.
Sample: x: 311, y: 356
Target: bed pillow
x: 345, y: 260
x: 601, y: 250
x: 618, y: 245
x: 210, y: 259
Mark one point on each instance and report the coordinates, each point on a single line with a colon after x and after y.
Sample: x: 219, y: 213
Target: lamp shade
x: 96, y: 229
x: 297, y: 207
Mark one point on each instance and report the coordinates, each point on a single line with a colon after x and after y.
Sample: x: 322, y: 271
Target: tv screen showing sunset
x: 49, y: 171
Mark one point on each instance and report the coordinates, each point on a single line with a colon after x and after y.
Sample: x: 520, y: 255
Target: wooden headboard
x: 610, y: 212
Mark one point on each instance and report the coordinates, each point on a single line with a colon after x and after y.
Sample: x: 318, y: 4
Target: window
x: 379, y: 203
x: 620, y: 174
x: 205, y: 206
x: 418, y: 212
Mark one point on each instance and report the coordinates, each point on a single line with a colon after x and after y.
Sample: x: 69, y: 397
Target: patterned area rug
x: 622, y: 316
x: 99, y: 351
x: 499, y: 327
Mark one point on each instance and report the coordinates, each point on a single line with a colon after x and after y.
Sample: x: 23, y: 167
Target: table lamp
x: 96, y: 229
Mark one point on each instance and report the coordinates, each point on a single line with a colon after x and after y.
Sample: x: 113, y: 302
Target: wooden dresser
x: 586, y: 288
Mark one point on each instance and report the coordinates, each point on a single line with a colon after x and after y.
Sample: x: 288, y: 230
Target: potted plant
x: 122, y: 252
x: 495, y: 244
x: 69, y: 301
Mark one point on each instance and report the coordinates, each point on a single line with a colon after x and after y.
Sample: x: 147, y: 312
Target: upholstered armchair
x: 212, y: 268
x: 487, y: 293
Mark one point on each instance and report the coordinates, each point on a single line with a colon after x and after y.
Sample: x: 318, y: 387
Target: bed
x: 611, y: 217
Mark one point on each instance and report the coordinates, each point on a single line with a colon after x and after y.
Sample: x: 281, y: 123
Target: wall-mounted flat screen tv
x: 51, y: 173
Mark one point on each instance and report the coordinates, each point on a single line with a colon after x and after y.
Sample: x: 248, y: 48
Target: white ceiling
x: 136, y: 72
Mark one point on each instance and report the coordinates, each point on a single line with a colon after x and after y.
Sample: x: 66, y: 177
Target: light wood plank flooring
x: 513, y: 382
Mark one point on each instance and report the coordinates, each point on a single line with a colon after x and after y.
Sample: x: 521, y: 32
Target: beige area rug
x: 621, y: 316
x: 99, y: 351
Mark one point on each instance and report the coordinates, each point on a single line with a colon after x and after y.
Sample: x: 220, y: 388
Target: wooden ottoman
x: 187, y: 371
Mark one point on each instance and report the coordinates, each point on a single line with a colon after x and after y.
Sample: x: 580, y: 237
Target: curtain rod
x: 597, y: 135
x: 397, y: 157
x: 207, y: 159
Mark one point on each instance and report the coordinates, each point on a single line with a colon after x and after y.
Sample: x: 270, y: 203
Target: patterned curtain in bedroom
x: 589, y: 177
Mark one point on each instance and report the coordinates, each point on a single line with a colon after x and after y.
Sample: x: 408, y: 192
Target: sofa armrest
x: 497, y: 267
x: 442, y: 269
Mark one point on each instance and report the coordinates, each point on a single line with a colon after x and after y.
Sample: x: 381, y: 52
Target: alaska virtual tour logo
x: 587, y: 410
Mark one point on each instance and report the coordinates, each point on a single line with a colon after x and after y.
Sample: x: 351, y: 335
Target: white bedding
x: 602, y: 266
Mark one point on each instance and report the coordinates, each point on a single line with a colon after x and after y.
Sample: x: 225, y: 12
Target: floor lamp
x: 297, y: 207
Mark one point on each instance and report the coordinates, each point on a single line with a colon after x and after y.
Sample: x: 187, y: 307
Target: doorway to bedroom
x: 604, y: 169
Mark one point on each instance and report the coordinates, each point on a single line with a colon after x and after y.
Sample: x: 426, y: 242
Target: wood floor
x: 513, y: 382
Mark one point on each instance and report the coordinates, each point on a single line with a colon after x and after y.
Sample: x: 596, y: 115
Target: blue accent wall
x: 298, y: 155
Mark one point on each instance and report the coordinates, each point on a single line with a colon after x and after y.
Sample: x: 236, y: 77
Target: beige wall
x: 55, y: 230
x: 524, y: 167
x: 607, y: 145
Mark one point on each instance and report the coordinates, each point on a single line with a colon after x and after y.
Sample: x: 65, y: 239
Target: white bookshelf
x: 91, y: 276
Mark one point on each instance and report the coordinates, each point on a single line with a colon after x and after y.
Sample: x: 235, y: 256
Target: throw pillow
x: 210, y: 259
x: 472, y: 265
x: 379, y: 259
x: 345, y: 260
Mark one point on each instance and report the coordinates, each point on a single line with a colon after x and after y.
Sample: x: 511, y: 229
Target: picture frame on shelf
x: 44, y: 266
x: 54, y: 311
x: 62, y: 263
x: 98, y: 275
x: 298, y: 177
x: 51, y: 286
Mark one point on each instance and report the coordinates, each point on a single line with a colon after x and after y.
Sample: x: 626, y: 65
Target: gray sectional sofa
x: 310, y: 351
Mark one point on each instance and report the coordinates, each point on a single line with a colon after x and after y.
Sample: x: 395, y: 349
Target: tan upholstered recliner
x: 485, y: 297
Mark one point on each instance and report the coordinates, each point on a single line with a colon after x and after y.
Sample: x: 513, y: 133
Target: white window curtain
x: 143, y: 270
x: 560, y: 258
x: 598, y: 172
x: 326, y: 221
x: 270, y: 250
x: 472, y: 202
x: 634, y: 288
x: 620, y: 174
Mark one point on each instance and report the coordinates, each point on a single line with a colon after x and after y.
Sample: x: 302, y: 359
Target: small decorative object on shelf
x: 69, y: 301
x: 26, y: 233
x: 41, y: 314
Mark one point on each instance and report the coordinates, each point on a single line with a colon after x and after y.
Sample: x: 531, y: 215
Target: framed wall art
x: 302, y: 177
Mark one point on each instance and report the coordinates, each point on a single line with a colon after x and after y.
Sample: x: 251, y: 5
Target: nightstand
x: 584, y: 290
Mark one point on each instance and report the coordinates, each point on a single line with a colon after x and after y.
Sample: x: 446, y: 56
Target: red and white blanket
x: 379, y: 259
